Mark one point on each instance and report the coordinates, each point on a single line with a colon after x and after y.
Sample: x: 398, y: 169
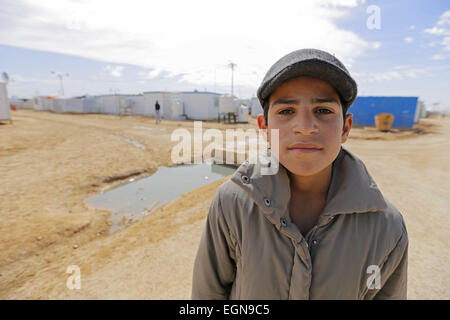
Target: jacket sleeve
x: 214, y: 266
x: 394, y: 273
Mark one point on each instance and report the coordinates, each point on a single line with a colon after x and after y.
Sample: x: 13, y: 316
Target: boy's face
x: 308, y: 114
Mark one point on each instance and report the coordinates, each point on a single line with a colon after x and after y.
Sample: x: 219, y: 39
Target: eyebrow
x: 295, y: 101
x: 324, y: 100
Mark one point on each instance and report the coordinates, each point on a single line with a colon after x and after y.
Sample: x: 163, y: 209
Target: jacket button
x: 266, y: 202
x: 283, y: 222
x: 245, y: 179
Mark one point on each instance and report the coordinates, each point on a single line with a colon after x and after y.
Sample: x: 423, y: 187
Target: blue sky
x: 174, y: 45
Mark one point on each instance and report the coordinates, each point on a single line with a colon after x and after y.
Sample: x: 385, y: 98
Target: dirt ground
x: 50, y: 163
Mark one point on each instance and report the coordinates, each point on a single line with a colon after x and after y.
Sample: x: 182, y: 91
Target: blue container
x: 364, y: 110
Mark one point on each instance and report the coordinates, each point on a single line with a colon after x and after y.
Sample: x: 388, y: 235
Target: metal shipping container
x: 404, y: 109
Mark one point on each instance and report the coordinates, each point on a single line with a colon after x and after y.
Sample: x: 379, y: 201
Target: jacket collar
x: 352, y: 189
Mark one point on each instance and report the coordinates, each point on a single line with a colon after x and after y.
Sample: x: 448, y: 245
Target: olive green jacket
x: 251, y: 249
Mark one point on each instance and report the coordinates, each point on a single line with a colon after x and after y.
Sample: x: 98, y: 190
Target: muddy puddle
x: 139, y: 197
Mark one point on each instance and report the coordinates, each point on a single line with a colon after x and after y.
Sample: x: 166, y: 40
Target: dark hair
x: 266, y: 109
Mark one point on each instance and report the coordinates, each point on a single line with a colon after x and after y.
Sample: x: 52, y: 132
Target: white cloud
x: 401, y: 67
x: 153, y: 74
x: 444, y: 19
x: 442, y: 28
x: 408, y: 39
x: 341, y: 3
x: 376, y: 44
x: 194, y: 38
x: 446, y: 43
x: 438, y: 31
x: 400, y: 72
x: 412, y: 27
x: 439, y: 56
x: 115, y: 71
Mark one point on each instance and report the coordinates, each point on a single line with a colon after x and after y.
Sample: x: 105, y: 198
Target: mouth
x: 304, y: 148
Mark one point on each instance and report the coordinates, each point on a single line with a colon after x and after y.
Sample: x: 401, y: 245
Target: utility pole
x: 60, y: 76
x: 232, y: 66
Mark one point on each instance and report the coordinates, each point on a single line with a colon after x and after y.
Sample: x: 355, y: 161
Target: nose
x: 305, y: 123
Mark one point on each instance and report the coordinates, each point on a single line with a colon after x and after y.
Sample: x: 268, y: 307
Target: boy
x: 317, y: 229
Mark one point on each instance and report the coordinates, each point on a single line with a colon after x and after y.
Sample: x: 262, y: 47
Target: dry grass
x: 50, y: 163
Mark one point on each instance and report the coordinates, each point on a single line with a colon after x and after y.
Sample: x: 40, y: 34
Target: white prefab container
x: 150, y: 100
x: 419, y: 111
x: 92, y: 104
x: 47, y: 103
x: 111, y: 104
x: 171, y: 104
x: 176, y: 109
x: 138, y: 104
x: 28, y: 104
x: 256, y: 107
x: 58, y: 105
x: 37, y: 103
x: 5, y: 108
x: 125, y: 105
x: 16, y: 103
x: 43, y: 103
x: 131, y: 104
x: 73, y: 105
x: 243, y: 114
x: 227, y: 104
x: 201, y: 105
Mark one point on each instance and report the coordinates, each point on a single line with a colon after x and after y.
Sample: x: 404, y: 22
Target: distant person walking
x: 157, y: 112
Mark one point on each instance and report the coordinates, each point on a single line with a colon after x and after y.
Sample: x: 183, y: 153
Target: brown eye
x: 285, y: 111
x: 324, y: 111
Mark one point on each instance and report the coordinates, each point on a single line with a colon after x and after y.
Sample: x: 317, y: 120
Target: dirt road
x: 49, y: 163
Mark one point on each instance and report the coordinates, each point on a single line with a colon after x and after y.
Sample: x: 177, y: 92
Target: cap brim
x: 339, y: 79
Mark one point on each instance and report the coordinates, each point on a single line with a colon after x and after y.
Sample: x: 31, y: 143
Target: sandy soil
x: 49, y: 163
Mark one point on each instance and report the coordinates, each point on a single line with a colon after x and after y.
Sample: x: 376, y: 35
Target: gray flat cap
x: 309, y: 62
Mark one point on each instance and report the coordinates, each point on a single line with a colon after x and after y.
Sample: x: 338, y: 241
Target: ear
x: 261, y: 122
x: 347, y: 127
